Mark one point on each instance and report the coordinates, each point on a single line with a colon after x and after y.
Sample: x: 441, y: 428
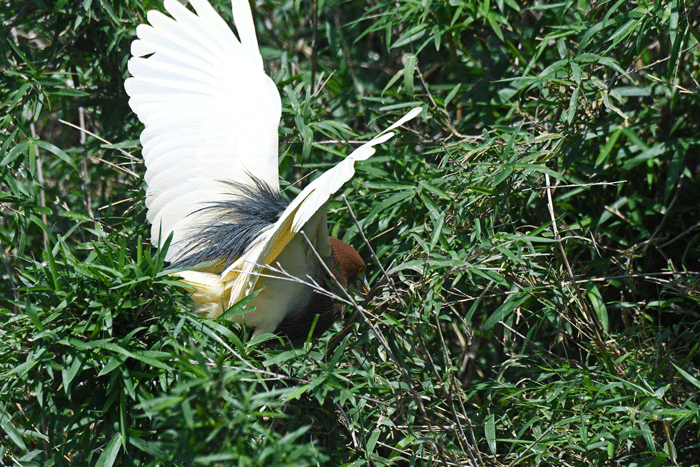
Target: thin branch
x: 99, y: 138
x: 390, y: 282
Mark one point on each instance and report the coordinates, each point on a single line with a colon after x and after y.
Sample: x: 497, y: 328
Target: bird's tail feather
x: 210, y: 293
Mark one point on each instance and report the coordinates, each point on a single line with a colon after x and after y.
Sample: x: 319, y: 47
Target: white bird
x: 210, y: 143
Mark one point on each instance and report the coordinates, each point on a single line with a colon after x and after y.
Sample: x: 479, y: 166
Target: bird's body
x: 210, y: 147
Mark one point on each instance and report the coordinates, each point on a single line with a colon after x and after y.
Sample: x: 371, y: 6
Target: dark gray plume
x: 237, y: 223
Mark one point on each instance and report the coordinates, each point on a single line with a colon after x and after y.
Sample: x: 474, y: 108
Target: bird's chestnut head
x: 348, y: 265
x: 348, y: 269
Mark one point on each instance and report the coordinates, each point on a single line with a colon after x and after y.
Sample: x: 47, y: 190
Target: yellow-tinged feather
x: 209, y: 292
x: 281, y: 240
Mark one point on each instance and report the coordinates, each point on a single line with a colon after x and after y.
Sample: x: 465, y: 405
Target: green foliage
x: 535, y: 286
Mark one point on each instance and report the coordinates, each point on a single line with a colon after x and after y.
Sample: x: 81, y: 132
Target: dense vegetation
x: 533, y: 240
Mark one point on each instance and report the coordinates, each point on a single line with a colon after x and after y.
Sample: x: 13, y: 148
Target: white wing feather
x: 241, y: 277
x: 210, y: 111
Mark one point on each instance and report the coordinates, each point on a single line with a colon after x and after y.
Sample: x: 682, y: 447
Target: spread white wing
x: 241, y: 277
x: 210, y: 111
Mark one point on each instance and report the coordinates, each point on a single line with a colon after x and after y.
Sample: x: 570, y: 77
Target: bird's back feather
x: 235, y: 226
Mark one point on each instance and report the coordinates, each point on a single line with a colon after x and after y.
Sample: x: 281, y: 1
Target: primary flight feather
x: 211, y: 118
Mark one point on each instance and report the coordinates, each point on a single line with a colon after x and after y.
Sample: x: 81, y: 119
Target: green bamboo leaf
x: 503, y: 312
x: 490, y: 432
x: 372, y: 442
x: 408, y: 71
x: 690, y: 378
x: 109, y: 455
x: 11, y: 432
x: 57, y: 152
x: 410, y: 35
